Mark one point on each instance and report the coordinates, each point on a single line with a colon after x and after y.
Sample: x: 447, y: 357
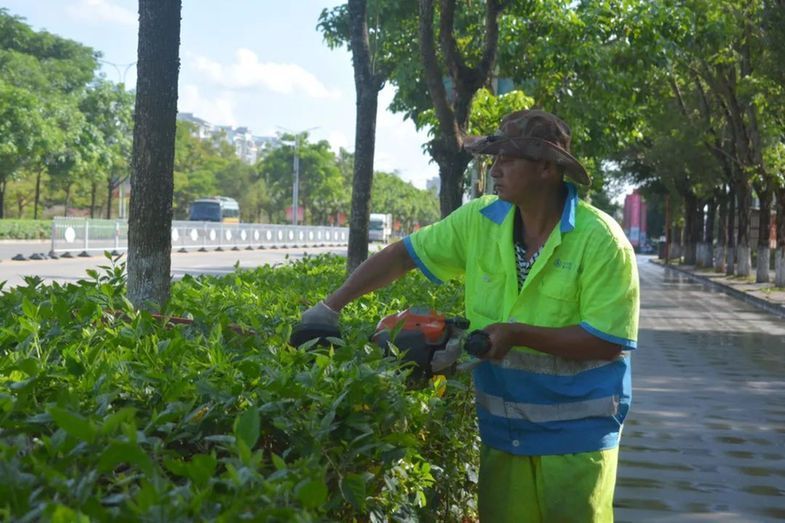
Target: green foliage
x: 25, y: 229
x: 112, y: 414
x: 323, y: 191
x: 411, y: 206
x: 54, y: 120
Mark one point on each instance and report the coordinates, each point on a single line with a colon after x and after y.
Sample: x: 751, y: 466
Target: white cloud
x: 248, y: 72
x: 337, y: 140
x: 217, y: 111
x: 102, y: 11
x: 399, y: 145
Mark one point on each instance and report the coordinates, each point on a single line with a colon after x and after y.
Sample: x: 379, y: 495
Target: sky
x: 261, y: 64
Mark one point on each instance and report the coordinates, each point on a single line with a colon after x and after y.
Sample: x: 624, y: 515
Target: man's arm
x: 379, y: 270
x: 571, y: 342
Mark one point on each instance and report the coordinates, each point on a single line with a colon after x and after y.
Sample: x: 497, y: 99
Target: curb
x: 760, y: 303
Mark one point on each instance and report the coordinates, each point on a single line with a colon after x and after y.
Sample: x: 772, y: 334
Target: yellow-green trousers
x: 548, y: 489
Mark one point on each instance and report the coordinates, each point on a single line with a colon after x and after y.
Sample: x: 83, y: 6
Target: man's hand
x: 319, y: 322
x: 320, y: 314
x: 502, y: 338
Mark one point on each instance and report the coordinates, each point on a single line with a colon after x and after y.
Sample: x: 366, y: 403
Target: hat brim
x: 529, y: 148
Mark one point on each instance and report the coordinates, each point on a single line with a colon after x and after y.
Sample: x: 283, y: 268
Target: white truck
x: 380, y: 227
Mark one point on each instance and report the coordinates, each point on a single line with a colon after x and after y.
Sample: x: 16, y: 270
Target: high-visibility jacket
x: 532, y: 403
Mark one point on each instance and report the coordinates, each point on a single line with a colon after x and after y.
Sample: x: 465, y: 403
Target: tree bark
x: 67, y: 199
x: 2, y: 198
x: 690, y: 227
x: 453, y: 117
x: 152, y: 181
x: 764, y: 227
x: 779, y: 256
x: 109, y: 190
x: 722, y: 231
x: 367, y: 86
x: 708, y: 238
x: 37, y: 198
x: 743, y: 204
x: 668, y: 229
x: 92, y: 199
x: 730, y: 244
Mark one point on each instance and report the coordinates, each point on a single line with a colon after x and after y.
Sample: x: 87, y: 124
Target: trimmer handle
x: 477, y: 343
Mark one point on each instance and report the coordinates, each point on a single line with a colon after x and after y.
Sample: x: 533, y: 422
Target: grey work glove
x: 319, y: 322
x: 320, y: 314
x: 443, y: 359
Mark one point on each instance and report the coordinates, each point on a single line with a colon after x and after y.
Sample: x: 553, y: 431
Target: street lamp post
x: 296, y: 169
x: 121, y: 207
x: 296, y: 184
x: 120, y: 76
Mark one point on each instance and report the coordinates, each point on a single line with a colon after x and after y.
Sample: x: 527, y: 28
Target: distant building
x: 247, y: 146
x: 433, y: 185
x: 204, y: 129
x: 634, y: 223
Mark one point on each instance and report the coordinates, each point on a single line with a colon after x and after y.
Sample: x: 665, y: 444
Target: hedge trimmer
x: 429, y: 339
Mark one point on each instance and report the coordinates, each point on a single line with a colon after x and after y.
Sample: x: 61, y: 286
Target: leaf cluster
x: 112, y: 414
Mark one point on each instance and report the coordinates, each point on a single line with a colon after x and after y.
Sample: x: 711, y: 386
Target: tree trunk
x: 152, y: 182
x: 109, y: 191
x: 722, y: 231
x: 779, y: 256
x: 730, y: 234
x: 708, y: 238
x: 452, y: 163
x: 453, y: 117
x: 67, y: 199
x: 743, y: 254
x: 367, y: 85
x: 37, y: 198
x: 690, y: 227
x: 2, y: 198
x: 92, y: 199
x: 764, y: 228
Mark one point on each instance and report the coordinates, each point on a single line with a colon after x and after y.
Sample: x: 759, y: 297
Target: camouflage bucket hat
x: 534, y: 135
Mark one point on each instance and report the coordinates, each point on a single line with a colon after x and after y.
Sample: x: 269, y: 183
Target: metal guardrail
x: 88, y: 235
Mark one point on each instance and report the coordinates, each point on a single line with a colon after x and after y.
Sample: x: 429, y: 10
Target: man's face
x: 513, y: 176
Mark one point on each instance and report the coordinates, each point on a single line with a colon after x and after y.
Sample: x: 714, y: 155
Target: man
x: 554, y: 283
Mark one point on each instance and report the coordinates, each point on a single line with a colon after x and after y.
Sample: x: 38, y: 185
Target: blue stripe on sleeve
x: 630, y: 344
x: 420, y: 265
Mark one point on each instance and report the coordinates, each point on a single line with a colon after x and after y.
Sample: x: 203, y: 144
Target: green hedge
x: 107, y: 413
x: 25, y: 229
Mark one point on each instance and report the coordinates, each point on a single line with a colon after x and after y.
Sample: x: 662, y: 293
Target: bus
x: 215, y: 209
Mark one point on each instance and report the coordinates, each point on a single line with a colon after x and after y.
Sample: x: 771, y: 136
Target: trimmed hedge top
x: 111, y: 414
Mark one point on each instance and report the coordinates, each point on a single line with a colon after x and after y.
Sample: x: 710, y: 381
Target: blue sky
x: 255, y: 63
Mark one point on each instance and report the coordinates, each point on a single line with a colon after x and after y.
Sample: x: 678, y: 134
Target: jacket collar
x: 498, y: 210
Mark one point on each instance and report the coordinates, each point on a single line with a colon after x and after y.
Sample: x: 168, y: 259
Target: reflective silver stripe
x: 601, y: 407
x: 552, y: 365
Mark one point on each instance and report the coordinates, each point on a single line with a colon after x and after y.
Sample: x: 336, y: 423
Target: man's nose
x: 494, y: 170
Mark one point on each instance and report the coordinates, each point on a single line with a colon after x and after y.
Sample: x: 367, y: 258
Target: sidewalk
x: 762, y: 295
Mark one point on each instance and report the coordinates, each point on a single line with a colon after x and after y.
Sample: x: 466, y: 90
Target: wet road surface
x: 705, y: 439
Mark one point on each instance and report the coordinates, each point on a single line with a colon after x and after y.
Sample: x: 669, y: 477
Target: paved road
x: 10, y: 248
x: 71, y: 270
x: 705, y: 439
